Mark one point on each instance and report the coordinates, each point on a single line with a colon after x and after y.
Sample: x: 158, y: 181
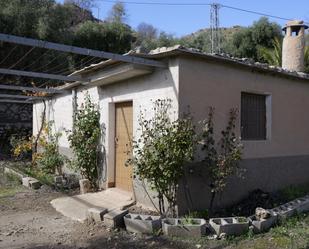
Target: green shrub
x: 84, y: 140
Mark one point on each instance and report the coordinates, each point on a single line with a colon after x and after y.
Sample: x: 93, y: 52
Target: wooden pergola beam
x: 32, y: 89
x: 78, y: 50
x: 40, y: 75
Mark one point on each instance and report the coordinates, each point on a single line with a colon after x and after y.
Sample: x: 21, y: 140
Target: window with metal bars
x: 253, y: 116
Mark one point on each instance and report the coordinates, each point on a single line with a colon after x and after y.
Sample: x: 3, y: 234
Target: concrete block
x: 96, y: 214
x: 34, y: 184
x: 26, y: 181
x: 262, y: 225
x: 302, y: 204
x: 137, y: 223
x: 229, y: 226
x: 58, y: 179
x: 85, y: 186
x: 285, y: 211
x: 181, y: 228
x: 114, y: 219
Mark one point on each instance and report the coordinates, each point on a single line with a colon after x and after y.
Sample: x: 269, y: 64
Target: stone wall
x: 15, y: 120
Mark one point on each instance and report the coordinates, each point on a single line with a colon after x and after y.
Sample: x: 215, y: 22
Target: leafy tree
x: 108, y: 36
x: 200, y: 41
x: 248, y: 42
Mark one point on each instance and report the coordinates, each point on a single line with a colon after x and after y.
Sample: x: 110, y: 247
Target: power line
x: 257, y: 13
x: 201, y: 4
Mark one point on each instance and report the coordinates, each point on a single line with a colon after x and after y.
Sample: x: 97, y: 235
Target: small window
x: 253, y: 116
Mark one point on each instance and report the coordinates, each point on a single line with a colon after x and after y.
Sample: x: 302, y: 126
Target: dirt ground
x: 27, y: 220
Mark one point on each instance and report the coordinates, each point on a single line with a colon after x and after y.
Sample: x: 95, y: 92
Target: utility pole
x: 215, y: 28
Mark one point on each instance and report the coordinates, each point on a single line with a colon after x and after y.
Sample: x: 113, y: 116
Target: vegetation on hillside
x: 70, y: 23
x: 73, y: 23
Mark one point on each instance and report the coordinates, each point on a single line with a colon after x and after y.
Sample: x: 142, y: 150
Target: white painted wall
x: 143, y: 91
x: 60, y: 111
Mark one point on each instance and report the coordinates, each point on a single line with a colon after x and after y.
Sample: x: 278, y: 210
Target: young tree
x: 117, y: 13
x: 85, y: 139
x: 161, y: 151
x: 221, y: 159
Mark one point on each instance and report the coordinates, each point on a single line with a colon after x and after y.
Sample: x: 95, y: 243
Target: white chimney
x: 293, y: 47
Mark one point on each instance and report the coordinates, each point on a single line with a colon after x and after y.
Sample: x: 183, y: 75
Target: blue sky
x: 181, y: 20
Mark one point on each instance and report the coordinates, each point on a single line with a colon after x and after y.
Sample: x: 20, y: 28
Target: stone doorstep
x: 137, y: 223
x: 114, y: 218
x: 96, y: 214
x: 229, y: 225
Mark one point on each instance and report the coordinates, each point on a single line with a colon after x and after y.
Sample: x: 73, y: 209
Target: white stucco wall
x: 142, y: 91
x: 60, y: 111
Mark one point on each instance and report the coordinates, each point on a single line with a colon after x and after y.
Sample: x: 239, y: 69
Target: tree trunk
x: 35, y: 145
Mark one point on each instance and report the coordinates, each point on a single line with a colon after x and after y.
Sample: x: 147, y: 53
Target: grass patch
x: 29, y: 170
x: 291, y: 234
x: 39, y: 175
x: 9, y: 191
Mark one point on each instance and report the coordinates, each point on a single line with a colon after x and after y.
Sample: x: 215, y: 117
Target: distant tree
x: 148, y: 38
x: 146, y: 31
x: 84, y: 4
x: 117, y: 13
x: 109, y: 36
x: 166, y: 40
x: 247, y: 42
x: 199, y: 41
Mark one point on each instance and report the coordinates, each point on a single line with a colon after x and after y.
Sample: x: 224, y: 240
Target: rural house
x: 272, y: 123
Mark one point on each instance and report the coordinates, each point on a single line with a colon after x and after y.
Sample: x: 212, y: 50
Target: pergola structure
x: 19, y: 98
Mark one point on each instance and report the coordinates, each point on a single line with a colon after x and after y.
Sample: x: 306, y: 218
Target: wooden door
x: 123, y: 139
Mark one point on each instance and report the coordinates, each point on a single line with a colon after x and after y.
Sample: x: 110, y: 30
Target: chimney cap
x: 295, y: 23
